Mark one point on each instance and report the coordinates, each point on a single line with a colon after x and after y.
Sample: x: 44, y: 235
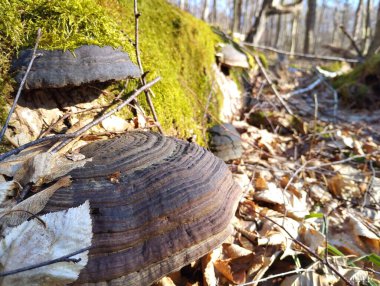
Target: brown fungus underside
x: 172, y: 202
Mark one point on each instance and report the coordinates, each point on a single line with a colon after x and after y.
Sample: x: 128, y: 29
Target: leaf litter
x: 311, y: 203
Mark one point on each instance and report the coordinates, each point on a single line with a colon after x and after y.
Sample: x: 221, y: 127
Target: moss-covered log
x: 173, y: 44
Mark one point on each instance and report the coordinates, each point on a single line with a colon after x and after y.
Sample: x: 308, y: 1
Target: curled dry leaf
x: 46, y: 167
x: 235, y: 269
x: 33, y: 205
x: 208, y: 269
x: 295, y: 204
x: 32, y: 243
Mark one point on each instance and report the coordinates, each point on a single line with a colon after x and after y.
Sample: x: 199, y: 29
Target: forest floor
x: 310, y: 213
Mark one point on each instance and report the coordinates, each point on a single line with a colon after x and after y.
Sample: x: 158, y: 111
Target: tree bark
x: 206, y: 10
x: 214, y: 13
x: 310, y: 25
x: 294, y: 33
x: 268, y: 9
x: 237, y: 21
x: 257, y: 29
x: 357, y: 20
x: 367, y: 31
x: 375, y: 44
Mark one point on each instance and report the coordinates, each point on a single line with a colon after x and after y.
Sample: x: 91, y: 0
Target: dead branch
x: 303, y: 90
x: 66, y: 258
x: 353, y: 43
x: 307, y: 249
x: 270, y: 277
x: 148, y: 92
x: 258, y: 61
x: 34, y: 56
x: 79, y: 132
x: 308, y: 56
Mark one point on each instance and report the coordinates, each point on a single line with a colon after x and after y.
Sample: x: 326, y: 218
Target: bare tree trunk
x: 343, y: 22
x: 237, y: 21
x: 206, y: 10
x: 375, y: 44
x: 294, y: 33
x: 310, y: 25
x: 319, y: 35
x: 214, y: 13
x: 367, y: 32
x: 278, y: 30
x: 182, y: 4
x: 357, y: 20
x: 257, y: 29
x: 336, y: 12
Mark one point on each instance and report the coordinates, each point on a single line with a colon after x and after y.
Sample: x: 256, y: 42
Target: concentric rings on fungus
x: 172, y: 203
x: 57, y: 69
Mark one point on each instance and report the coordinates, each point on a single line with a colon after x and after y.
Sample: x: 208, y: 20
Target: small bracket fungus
x: 57, y: 69
x: 230, y: 57
x: 171, y: 204
x: 225, y: 142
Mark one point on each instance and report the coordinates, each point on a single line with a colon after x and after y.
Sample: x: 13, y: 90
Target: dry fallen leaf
x: 33, y: 205
x: 46, y: 167
x: 234, y: 269
x: 31, y: 243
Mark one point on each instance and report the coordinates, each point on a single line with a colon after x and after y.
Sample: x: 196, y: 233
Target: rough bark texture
x: 169, y: 203
x: 310, y: 25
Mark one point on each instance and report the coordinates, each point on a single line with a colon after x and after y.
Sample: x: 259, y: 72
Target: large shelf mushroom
x: 172, y: 202
x: 86, y: 64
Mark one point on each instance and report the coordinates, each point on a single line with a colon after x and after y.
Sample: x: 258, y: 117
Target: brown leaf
x: 234, y: 269
x: 261, y: 184
x: 234, y: 250
x: 33, y: 205
x: 336, y: 185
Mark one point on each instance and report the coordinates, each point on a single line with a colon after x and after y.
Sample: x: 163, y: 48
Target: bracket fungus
x: 225, y: 142
x: 89, y: 63
x: 231, y: 57
x: 171, y: 203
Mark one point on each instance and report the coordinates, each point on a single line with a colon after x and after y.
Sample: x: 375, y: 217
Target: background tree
x: 237, y: 20
x: 375, y: 44
x: 310, y: 25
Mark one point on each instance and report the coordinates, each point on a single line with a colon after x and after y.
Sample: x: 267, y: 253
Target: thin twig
x: 342, y: 161
x: 108, y: 114
x: 308, y: 56
x: 34, y: 56
x: 303, y: 90
x: 83, y: 129
x: 142, y: 78
x: 306, y: 248
x: 276, y: 276
x: 65, y: 258
x: 258, y: 61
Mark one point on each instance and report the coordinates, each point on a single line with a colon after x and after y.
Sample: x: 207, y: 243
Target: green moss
x: 173, y: 44
x: 333, y: 67
x: 359, y: 88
